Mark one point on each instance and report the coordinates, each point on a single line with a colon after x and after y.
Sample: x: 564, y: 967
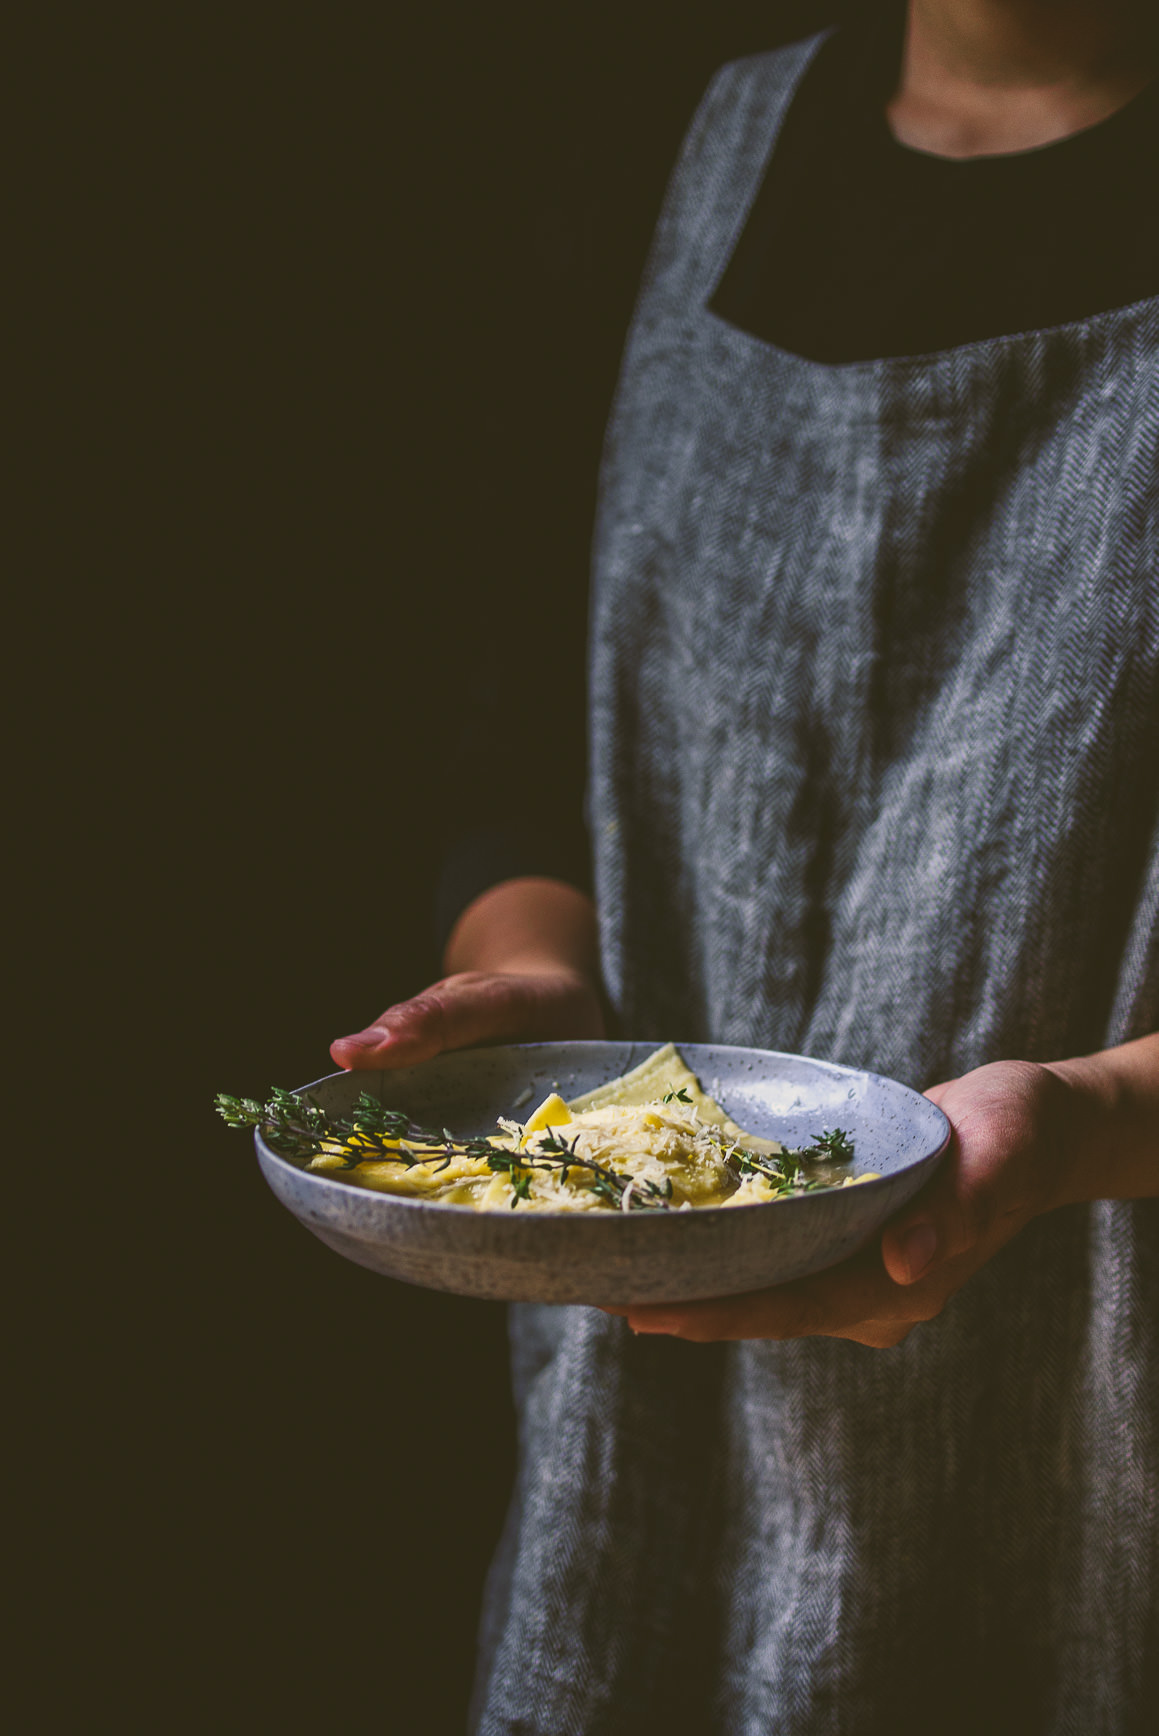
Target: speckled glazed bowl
x: 618, y: 1257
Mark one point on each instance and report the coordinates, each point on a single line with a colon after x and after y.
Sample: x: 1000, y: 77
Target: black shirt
x: 856, y: 247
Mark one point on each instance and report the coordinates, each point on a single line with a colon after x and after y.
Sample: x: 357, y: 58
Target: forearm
x: 530, y: 925
x: 1114, y: 1135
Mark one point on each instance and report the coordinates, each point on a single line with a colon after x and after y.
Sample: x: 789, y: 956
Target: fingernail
x: 367, y: 1039
x: 918, y: 1247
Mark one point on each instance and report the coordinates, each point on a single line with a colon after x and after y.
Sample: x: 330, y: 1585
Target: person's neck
x: 986, y: 77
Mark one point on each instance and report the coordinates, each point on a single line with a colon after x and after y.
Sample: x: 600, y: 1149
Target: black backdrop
x: 333, y: 339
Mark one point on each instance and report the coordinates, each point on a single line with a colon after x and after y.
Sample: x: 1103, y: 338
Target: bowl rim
x: 348, y: 1190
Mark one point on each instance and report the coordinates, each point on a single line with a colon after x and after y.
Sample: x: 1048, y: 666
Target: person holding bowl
x: 873, y: 776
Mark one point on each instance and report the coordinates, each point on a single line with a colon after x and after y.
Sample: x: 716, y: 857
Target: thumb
x: 986, y: 1180
x: 911, y: 1242
x: 954, y: 1214
x: 399, y: 1037
x: 439, y: 1018
x: 470, y: 1007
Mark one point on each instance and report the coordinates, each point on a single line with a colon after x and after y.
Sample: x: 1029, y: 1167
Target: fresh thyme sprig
x: 299, y: 1129
x: 788, y: 1168
x: 834, y: 1147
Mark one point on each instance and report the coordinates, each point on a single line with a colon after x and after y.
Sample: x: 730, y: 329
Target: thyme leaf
x: 788, y: 1171
x: 835, y: 1147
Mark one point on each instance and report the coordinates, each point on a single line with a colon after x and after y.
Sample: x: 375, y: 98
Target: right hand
x: 475, y: 1006
x: 522, y: 967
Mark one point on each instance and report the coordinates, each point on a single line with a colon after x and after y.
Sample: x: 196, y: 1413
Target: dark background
x: 330, y: 345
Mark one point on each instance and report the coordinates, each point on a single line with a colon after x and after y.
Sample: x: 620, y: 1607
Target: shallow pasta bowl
x: 620, y: 1257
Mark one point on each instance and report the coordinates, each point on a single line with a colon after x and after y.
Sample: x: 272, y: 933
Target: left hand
x: 1013, y: 1155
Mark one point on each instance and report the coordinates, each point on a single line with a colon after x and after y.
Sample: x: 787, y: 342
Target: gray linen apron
x: 875, y: 776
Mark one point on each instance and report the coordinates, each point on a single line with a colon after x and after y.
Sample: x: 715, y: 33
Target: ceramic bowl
x: 617, y: 1257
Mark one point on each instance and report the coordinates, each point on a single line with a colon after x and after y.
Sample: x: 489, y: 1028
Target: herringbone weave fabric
x: 875, y: 777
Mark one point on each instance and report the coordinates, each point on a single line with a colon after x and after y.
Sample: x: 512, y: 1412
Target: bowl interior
x: 780, y: 1096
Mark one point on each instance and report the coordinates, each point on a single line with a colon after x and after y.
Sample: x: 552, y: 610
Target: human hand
x: 1018, y: 1129
x: 522, y: 967
x: 476, y: 1007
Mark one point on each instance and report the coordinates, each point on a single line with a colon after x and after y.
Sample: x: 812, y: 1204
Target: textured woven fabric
x: 875, y: 777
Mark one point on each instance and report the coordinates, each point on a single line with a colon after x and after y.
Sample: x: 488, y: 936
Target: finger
x: 877, y: 1334
x: 406, y: 1033
x: 840, y: 1303
x: 987, y: 1186
x: 454, y: 1014
x: 912, y: 1244
x: 450, y: 1014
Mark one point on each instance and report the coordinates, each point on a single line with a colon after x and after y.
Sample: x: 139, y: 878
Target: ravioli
x: 652, y: 1139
